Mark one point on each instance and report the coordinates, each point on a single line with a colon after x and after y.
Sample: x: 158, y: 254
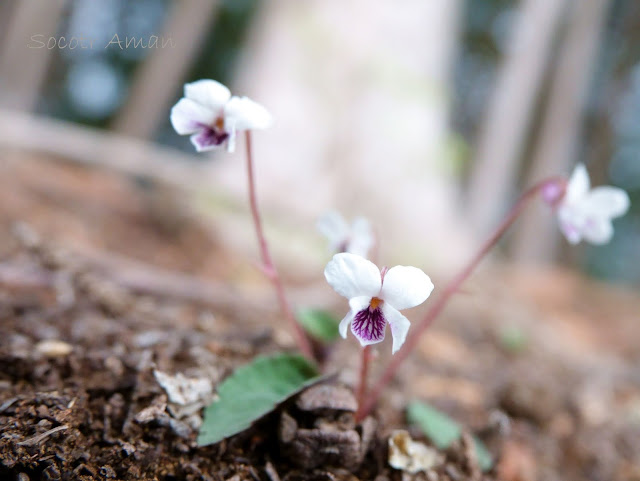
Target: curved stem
x: 267, y: 264
x: 450, y: 289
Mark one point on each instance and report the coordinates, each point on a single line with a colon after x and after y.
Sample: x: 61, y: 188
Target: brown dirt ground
x: 542, y: 365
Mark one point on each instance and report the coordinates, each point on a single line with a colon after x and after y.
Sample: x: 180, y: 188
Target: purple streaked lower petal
x: 208, y: 138
x: 368, y: 326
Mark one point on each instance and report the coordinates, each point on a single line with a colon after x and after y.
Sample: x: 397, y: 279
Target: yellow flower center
x: 375, y: 303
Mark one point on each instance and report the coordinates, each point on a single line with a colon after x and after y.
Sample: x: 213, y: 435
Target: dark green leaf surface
x: 252, y: 391
x: 443, y: 431
x: 319, y: 324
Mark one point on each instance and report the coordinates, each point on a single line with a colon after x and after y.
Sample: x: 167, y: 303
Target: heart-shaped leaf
x: 443, y: 431
x: 320, y: 324
x: 252, y: 391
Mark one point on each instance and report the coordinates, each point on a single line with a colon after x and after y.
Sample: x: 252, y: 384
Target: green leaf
x: 319, y: 324
x: 443, y: 431
x: 252, y: 391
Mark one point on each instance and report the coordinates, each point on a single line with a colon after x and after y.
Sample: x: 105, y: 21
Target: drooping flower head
x: 375, y: 297
x: 213, y: 117
x: 356, y: 238
x: 585, y: 213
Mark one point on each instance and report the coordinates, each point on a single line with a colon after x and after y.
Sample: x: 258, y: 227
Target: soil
x: 540, y: 365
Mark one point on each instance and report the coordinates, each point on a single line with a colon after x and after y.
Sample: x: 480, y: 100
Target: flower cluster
x: 212, y: 116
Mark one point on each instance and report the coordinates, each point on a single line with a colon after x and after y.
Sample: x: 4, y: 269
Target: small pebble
x: 327, y: 396
x: 53, y: 348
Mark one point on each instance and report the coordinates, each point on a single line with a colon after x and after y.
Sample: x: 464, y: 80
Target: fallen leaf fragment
x: 187, y: 396
x: 183, y: 390
x: 411, y: 456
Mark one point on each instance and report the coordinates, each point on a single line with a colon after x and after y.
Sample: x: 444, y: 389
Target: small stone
x: 53, y: 348
x: 367, y: 433
x: 288, y: 428
x: 327, y: 396
x: 153, y: 412
x: 530, y: 399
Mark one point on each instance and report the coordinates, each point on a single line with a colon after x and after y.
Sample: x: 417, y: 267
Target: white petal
x: 598, y: 231
x: 353, y: 276
x: 344, y: 324
x: 571, y: 221
x: 208, y: 93
x: 200, y: 142
x: 333, y: 226
x: 607, y: 202
x: 188, y: 117
x: 233, y: 135
x: 369, y: 326
x: 578, y: 184
x: 399, y: 326
x: 246, y: 114
x: 356, y: 304
x: 361, y: 239
x: 405, y: 287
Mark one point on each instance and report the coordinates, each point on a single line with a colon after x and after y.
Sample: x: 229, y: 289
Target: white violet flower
x: 212, y: 116
x: 356, y: 238
x: 375, y: 297
x: 585, y: 213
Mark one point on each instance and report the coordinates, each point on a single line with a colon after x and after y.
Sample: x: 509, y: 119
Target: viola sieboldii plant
x: 213, y: 118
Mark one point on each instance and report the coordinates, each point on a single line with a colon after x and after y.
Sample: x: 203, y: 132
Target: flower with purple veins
x: 585, y: 213
x: 213, y: 117
x: 375, y: 298
x: 356, y: 238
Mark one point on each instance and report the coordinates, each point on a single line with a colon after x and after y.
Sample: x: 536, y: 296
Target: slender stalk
x: 364, y: 373
x: 449, y: 290
x: 267, y: 264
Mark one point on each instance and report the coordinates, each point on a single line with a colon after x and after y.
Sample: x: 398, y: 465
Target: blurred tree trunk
x: 156, y: 81
x: 537, y: 237
x: 6, y: 13
x: 361, y: 101
x: 23, y: 62
x: 501, y: 141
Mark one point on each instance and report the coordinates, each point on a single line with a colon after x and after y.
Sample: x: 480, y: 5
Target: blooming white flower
x: 356, y: 238
x: 585, y: 213
x: 375, y: 297
x: 212, y: 116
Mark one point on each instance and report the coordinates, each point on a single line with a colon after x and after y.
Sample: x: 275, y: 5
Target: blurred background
x: 429, y: 119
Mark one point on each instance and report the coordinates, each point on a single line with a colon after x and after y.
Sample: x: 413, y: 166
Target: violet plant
x: 213, y: 118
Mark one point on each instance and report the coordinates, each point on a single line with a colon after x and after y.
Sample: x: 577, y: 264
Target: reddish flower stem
x: 449, y: 290
x: 364, y: 373
x: 267, y: 264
